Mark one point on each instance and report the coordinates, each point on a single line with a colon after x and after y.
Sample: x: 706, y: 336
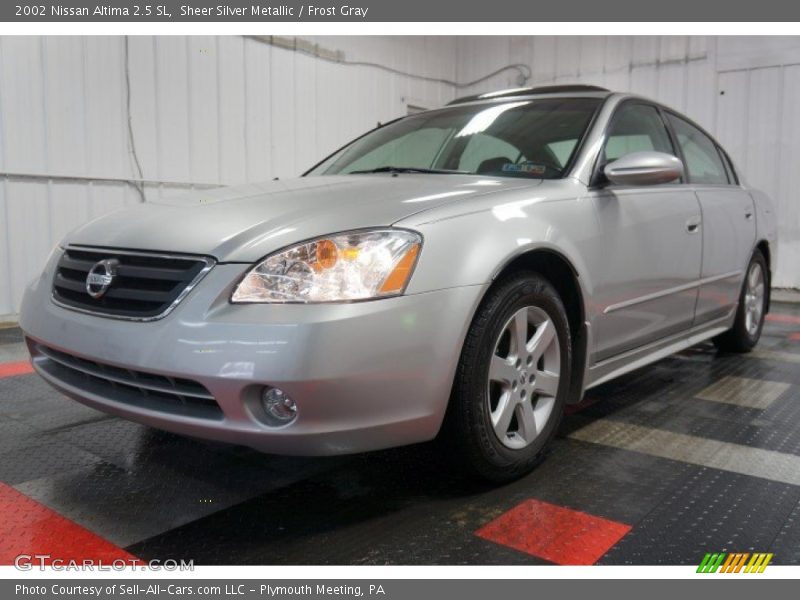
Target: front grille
x: 137, y: 388
x: 146, y: 286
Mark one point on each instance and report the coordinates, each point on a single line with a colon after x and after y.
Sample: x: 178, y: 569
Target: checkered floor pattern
x: 697, y: 453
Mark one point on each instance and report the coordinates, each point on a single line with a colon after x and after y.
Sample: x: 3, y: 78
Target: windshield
x: 521, y: 138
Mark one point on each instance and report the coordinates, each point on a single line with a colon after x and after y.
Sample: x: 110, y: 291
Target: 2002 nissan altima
x: 471, y: 269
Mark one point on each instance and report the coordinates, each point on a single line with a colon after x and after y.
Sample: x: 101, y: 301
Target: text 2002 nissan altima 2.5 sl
x: 471, y: 269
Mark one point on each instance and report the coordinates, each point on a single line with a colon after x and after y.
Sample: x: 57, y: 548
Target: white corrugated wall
x: 219, y: 110
x: 204, y: 111
x: 744, y: 90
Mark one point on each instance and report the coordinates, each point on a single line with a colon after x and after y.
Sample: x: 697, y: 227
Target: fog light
x: 280, y: 409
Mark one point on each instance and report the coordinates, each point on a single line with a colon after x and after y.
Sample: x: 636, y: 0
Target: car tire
x: 507, y: 401
x: 749, y: 320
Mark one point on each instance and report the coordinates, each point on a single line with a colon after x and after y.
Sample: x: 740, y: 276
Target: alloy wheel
x: 523, y: 377
x: 754, y: 299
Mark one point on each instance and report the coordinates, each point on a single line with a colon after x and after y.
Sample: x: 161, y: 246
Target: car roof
x: 593, y: 91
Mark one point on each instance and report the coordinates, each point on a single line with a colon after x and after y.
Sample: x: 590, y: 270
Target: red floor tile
x: 15, y: 368
x: 587, y: 401
x: 782, y: 318
x: 560, y: 535
x: 27, y: 527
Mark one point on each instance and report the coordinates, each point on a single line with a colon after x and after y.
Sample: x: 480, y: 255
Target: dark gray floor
x: 724, y: 475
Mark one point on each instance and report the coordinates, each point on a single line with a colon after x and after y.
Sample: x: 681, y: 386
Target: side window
x: 703, y: 161
x: 637, y: 128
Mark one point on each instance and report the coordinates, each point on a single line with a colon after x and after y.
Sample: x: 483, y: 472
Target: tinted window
x: 520, y: 138
x: 482, y: 147
x: 703, y: 162
x: 408, y: 150
x: 636, y: 128
x: 563, y: 149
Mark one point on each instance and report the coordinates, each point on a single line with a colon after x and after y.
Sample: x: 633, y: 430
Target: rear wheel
x: 512, y: 380
x: 749, y: 321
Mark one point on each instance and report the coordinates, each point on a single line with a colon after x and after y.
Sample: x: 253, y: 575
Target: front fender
x: 473, y: 247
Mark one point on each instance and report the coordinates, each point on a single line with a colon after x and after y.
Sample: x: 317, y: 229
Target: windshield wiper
x: 390, y: 169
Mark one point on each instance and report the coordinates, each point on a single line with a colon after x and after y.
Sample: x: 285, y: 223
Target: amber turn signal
x: 327, y: 253
x: 398, y: 278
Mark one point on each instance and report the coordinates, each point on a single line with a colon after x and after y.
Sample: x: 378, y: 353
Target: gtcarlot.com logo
x: 28, y: 562
x: 736, y: 562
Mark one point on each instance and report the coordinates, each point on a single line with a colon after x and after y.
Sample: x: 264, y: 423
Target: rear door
x: 648, y: 252
x: 729, y: 225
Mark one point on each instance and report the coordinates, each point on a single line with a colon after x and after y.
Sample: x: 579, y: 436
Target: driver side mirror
x: 644, y: 168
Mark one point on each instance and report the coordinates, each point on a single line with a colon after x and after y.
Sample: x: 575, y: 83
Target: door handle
x: 693, y: 224
x: 748, y: 214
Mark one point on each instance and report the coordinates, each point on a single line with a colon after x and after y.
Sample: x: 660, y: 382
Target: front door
x: 650, y: 245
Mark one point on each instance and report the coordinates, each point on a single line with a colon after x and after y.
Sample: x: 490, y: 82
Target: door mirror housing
x: 644, y: 168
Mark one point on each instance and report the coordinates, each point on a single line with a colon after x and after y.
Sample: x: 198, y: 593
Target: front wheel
x: 513, y: 378
x: 749, y: 321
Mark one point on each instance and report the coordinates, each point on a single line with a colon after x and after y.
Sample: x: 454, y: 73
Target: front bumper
x: 364, y: 375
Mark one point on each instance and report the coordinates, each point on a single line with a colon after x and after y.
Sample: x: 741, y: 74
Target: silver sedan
x: 464, y: 272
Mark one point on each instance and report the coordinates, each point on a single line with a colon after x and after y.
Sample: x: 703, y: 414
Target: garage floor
x: 697, y: 453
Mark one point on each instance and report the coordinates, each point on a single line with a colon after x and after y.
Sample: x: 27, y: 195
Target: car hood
x: 245, y: 223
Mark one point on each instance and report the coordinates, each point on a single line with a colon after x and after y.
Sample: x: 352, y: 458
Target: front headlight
x: 349, y: 266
